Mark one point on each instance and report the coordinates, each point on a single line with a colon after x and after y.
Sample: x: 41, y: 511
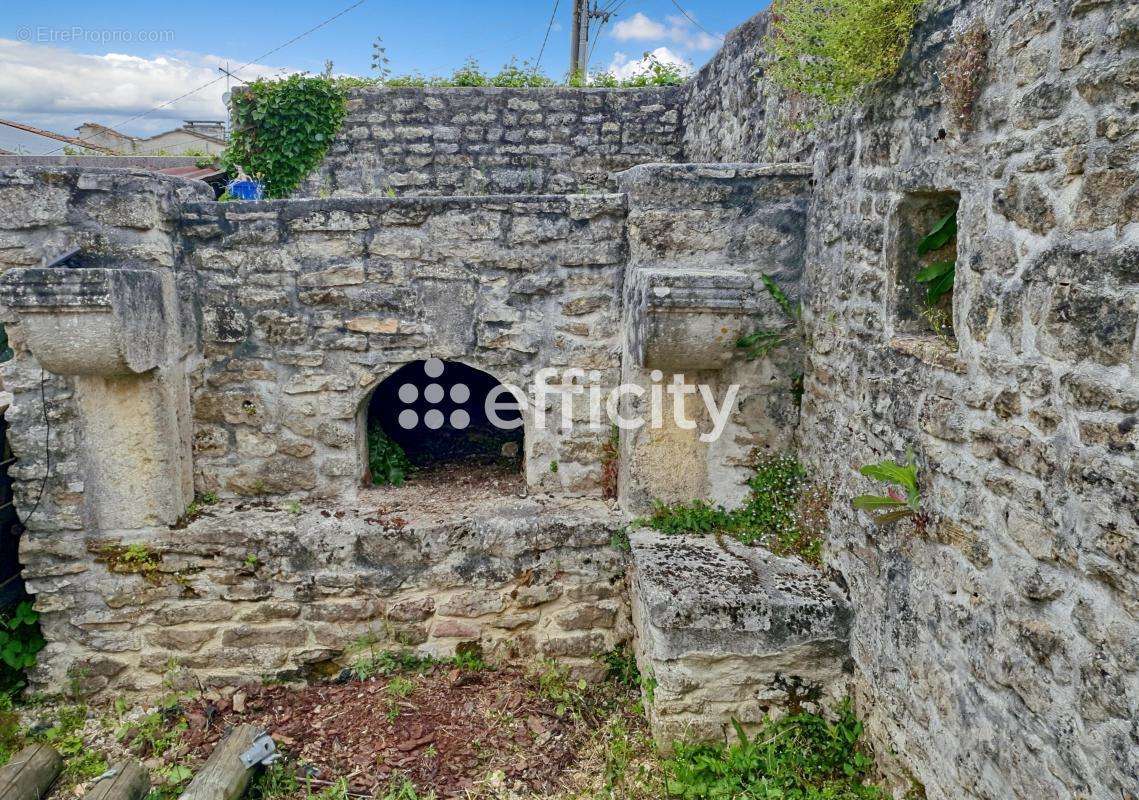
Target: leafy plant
x: 381, y: 64
x: 282, y: 129
x: 799, y: 757
x: 521, y: 76
x: 621, y: 666
x: 556, y: 685
x: 66, y: 736
x: 761, y: 342
x: 832, y: 49
x: 698, y: 516
x: 387, y: 461
x: 784, y: 512
x: 901, y: 501
x: 469, y: 74
x: 655, y: 73
x: 939, y: 275
x: 20, y: 637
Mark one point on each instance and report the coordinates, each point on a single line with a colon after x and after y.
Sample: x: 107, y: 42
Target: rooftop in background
x: 195, y: 137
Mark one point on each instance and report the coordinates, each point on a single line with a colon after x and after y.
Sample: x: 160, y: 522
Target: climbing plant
x: 282, y: 129
x: 832, y: 49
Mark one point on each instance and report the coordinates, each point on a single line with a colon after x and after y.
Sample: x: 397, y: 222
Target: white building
x: 195, y: 136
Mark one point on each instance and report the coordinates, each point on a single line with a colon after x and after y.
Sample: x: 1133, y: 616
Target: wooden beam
x: 59, y: 137
x: 30, y: 773
x: 224, y: 777
x: 127, y: 780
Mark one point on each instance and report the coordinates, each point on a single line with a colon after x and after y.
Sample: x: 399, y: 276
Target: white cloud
x: 623, y: 67
x: 51, y: 87
x: 676, y: 29
x: 638, y: 28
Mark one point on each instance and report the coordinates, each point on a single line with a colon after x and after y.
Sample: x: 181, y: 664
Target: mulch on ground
x: 450, y: 730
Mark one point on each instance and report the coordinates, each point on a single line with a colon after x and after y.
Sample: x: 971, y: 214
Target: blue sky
x: 70, y: 61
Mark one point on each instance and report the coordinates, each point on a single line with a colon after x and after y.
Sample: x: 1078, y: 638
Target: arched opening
x: 429, y: 419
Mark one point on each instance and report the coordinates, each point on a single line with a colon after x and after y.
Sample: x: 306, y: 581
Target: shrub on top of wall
x: 831, y: 50
x: 282, y: 129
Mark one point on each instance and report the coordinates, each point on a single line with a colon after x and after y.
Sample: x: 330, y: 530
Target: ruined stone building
x: 237, y: 350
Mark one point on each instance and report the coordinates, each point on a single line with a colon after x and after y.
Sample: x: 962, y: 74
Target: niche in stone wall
x: 429, y: 420
x: 925, y: 259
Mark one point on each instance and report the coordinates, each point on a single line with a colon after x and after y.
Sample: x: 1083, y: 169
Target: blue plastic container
x: 246, y: 190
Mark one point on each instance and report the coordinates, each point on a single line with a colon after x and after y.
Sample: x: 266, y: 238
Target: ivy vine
x: 282, y: 129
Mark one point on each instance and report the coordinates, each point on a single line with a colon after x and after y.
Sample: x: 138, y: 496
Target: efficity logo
x: 507, y: 406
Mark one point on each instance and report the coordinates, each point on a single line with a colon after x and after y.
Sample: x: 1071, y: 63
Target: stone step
x: 727, y: 631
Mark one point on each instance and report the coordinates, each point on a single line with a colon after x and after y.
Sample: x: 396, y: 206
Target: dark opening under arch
x: 435, y: 411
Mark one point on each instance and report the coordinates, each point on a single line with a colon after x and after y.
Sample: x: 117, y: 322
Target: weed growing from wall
x: 761, y: 342
x: 282, y: 129
x: 903, y: 496
x: 831, y: 50
x: 966, y: 63
x: 785, y: 512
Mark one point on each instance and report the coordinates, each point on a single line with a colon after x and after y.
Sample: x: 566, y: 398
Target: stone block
x: 719, y: 624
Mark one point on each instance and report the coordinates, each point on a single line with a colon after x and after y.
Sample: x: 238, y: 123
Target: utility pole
x: 579, y: 44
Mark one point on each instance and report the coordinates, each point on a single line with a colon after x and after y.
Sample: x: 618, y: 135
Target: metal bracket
x: 262, y: 751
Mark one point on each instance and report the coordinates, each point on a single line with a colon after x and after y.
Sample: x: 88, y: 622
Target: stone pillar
x: 114, y: 332
x: 701, y: 238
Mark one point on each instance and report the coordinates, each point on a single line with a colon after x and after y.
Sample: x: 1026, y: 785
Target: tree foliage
x: 282, y: 129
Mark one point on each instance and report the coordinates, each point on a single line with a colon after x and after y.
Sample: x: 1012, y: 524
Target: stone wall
x: 307, y: 306
x: 265, y: 590
x: 732, y: 113
x: 998, y: 656
x: 477, y: 141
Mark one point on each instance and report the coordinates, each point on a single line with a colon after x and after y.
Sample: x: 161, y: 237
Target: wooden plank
x: 127, y: 780
x: 30, y: 773
x: 224, y: 777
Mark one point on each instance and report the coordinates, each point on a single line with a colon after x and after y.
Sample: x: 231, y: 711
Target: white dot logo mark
x: 460, y: 393
x: 433, y: 367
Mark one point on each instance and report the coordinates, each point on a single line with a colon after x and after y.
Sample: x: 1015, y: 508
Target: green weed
x: 785, y: 512
x: 799, y: 757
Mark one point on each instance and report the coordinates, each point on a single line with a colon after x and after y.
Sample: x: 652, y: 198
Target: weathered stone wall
x: 263, y: 590
x: 999, y: 656
x: 307, y: 306
x: 732, y: 113
x: 477, y: 141
x: 122, y: 220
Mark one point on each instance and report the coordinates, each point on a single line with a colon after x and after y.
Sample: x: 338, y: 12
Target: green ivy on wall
x: 282, y: 129
x: 831, y: 49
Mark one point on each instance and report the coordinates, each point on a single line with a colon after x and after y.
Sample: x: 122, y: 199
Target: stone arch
x: 435, y: 410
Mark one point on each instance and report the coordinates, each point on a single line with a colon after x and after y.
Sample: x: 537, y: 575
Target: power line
x: 691, y: 19
x: 550, y: 27
x: 264, y: 55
